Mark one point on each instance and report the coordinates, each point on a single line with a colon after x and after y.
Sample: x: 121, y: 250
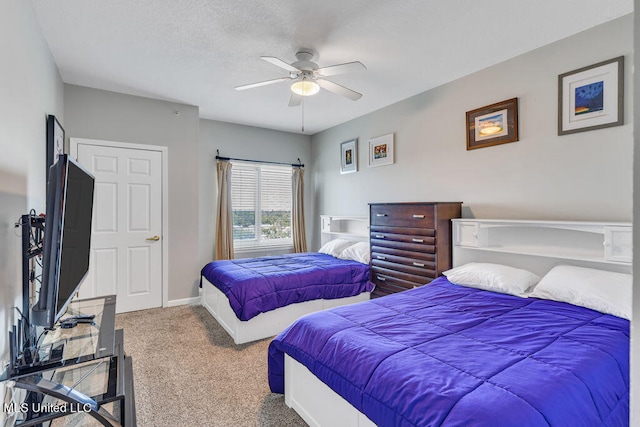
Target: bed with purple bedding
x: 259, y: 285
x: 444, y: 354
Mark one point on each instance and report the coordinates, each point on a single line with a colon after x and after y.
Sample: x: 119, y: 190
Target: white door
x: 126, y: 247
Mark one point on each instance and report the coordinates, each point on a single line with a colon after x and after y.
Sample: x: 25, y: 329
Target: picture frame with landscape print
x: 381, y: 150
x: 591, y: 97
x: 493, y: 124
x: 55, y: 140
x: 349, y: 156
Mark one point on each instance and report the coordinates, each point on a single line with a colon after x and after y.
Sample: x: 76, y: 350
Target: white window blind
x: 261, y: 204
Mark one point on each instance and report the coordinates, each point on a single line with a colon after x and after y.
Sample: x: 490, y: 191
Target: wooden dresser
x: 410, y: 243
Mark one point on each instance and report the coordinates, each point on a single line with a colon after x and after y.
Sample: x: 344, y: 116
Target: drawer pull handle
x: 382, y: 279
x: 418, y: 216
x: 379, y: 236
x: 418, y: 264
x: 418, y: 240
x: 381, y: 214
x: 381, y: 257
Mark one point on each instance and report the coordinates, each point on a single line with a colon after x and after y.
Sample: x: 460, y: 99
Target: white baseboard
x: 184, y: 301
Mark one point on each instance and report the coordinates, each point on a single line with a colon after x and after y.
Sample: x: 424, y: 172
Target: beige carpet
x: 188, y: 372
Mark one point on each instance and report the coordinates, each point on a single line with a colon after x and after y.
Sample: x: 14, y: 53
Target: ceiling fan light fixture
x: 305, y: 88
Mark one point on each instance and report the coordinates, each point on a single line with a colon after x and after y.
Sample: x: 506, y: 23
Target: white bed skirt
x: 266, y: 324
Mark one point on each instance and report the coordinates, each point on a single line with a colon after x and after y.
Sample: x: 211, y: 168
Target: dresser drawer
x: 382, y: 250
x: 387, y: 284
x: 412, y: 261
x: 391, y: 284
x: 382, y: 290
x: 382, y: 274
x: 406, y: 238
x: 419, y: 216
x: 420, y: 269
x: 388, y: 288
x: 411, y: 231
x: 405, y: 246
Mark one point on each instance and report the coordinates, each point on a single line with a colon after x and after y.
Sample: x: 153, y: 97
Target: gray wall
x: 192, y: 144
x: 30, y: 88
x: 583, y: 176
x: 243, y: 142
x: 98, y: 114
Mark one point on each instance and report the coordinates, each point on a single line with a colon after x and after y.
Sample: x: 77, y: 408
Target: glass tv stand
x: 76, y: 371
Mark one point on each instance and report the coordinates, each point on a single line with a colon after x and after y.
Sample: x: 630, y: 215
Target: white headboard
x: 539, y: 245
x: 344, y: 227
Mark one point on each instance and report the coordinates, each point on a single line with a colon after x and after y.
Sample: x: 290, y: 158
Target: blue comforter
x: 448, y: 355
x: 258, y: 285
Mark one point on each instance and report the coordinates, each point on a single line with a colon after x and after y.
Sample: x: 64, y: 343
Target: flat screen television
x: 67, y: 239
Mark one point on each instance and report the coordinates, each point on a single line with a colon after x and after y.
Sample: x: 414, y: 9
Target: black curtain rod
x: 299, y: 164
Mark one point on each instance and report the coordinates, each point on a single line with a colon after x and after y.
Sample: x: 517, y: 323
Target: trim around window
x: 261, y: 200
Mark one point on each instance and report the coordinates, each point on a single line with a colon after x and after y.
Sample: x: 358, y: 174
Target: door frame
x: 73, y: 150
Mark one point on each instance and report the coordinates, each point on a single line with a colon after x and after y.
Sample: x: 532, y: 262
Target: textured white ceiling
x: 196, y: 51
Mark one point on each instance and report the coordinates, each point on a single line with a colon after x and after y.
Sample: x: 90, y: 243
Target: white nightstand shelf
x: 345, y: 227
x: 601, y: 243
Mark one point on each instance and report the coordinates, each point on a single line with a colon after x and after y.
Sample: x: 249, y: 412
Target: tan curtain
x: 224, y: 220
x: 297, y: 210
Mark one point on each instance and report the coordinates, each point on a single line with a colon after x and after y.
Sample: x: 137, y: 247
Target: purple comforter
x: 258, y: 285
x: 447, y: 355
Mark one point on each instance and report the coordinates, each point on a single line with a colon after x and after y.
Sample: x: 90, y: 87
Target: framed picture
x: 492, y: 125
x: 55, y: 140
x: 591, y: 97
x: 349, y: 156
x: 381, y: 150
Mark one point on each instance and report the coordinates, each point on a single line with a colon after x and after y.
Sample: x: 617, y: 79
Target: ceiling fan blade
x: 340, y: 90
x: 280, y: 63
x: 348, y: 67
x: 264, y: 83
x: 295, y: 100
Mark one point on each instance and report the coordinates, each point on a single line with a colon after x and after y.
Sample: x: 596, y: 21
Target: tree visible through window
x: 261, y: 203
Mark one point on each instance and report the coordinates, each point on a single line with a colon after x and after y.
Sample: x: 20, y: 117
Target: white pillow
x: 493, y: 277
x: 358, y: 252
x: 335, y: 247
x: 604, y: 291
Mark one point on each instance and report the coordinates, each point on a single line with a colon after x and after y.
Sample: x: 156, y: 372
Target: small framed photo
x: 591, y: 97
x: 492, y: 125
x: 381, y: 150
x: 349, y: 156
x: 55, y: 140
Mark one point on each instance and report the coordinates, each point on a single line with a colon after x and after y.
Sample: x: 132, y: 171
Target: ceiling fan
x: 308, y: 78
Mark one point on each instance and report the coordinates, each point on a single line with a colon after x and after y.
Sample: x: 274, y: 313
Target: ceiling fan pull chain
x: 302, y: 114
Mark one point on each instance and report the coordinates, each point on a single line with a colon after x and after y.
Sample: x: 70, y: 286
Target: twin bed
x: 532, y: 335
x: 256, y: 298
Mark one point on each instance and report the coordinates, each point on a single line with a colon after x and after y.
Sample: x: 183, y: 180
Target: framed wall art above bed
x: 381, y: 150
x: 591, y: 97
x: 349, y: 156
x: 493, y: 124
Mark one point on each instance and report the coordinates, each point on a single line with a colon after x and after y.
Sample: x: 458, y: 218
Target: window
x: 261, y: 203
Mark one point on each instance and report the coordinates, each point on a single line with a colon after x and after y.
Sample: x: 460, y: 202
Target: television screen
x: 67, y: 239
